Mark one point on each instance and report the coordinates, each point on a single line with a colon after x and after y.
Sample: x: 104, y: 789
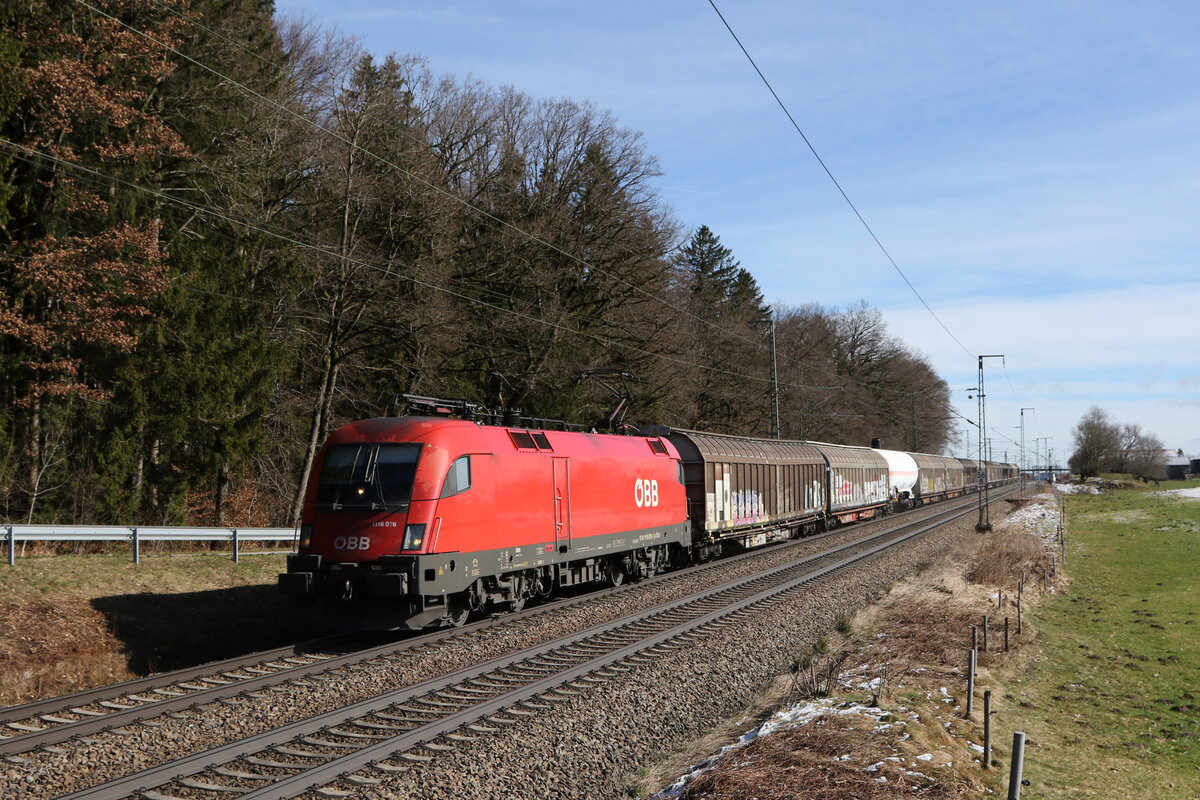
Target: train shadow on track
x: 171, y: 631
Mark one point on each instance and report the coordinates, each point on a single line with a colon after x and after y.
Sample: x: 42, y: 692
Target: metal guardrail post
x: 987, y: 729
x: 1017, y: 767
x: 236, y: 554
x: 971, y: 657
x: 12, y: 545
x: 137, y: 553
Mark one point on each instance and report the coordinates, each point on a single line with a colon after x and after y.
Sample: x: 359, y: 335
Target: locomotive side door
x: 562, y: 504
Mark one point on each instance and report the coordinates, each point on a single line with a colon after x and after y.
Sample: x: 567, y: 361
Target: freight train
x: 419, y: 521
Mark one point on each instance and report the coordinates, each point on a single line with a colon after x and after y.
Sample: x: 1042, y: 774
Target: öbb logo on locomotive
x: 352, y: 543
x: 645, y: 493
x: 468, y: 515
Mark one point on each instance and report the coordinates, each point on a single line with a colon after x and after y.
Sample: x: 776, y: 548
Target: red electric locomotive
x: 417, y: 521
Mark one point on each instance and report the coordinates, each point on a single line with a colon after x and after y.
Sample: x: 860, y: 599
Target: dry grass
x: 75, y: 621
x: 907, y: 656
x: 1004, y: 557
x: 805, y: 763
x: 55, y: 647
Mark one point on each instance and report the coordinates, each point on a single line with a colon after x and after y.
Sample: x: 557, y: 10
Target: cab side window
x: 458, y: 479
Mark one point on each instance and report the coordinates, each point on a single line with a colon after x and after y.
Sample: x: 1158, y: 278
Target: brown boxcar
x: 738, y: 487
x: 940, y: 477
x: 973, y: 475
x: 858, y: 481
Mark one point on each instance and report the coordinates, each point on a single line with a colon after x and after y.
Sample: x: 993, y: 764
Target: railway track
x: 353, y: 745
x: 54, y: 720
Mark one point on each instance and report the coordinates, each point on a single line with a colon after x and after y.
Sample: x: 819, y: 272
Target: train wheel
x: 519, y: 595
x: 458, y: 610
x: 616, y: 572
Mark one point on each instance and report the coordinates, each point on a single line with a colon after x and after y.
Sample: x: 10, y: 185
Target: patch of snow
x: 1076, y: 488
x: 790, y: 717
x: 1191, y: 494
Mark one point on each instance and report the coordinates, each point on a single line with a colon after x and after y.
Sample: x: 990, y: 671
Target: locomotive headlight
x: 414, y: 535
x: 305, y: 538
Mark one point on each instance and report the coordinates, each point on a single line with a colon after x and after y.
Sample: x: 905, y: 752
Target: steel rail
x: 181, y: 768
x: 227, y: 684
x: 113, y: 692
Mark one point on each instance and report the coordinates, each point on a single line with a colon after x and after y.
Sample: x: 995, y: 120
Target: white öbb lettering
x: 352, y: 543
x: 645, y: 493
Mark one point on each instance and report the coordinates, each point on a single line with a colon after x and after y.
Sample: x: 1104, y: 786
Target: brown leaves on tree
x: 80, y: 290
x: 91, y: 95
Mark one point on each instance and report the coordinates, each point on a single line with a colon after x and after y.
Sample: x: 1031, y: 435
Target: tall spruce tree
x: 725, y: 336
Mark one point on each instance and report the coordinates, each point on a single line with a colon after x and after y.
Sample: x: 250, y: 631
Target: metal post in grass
x: 236, y: 553
x: 12, y: 546
x: 987, y: 729
x: 971, y: 656
x: 1018, y: 766
x: 137, y: 552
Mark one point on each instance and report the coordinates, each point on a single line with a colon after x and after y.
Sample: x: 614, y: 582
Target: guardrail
x: 136, y: 534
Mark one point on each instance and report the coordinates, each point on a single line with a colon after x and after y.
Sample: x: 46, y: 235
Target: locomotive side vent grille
x: 657, y: 447
x: 522, y: 440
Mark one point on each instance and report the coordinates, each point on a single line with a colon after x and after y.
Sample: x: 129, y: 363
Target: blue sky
x: 1033, y: 167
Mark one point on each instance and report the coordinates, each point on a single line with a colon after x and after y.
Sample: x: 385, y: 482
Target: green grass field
x: 1112, y: 707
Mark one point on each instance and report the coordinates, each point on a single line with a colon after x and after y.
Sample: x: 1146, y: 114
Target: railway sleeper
x: 266, y: 762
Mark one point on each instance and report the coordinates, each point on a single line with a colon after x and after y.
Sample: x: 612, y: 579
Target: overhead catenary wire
x: 504, y: 223
x: 100, y: 178
x: 407, y: 173
x: 465, y: 203
x: 838, y: 185
x: 329, y: 251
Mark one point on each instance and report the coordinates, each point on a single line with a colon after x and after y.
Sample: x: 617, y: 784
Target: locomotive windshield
x: 367, y: 477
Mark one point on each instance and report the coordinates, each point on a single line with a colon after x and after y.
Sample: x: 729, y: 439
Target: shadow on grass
x: 172, y: 631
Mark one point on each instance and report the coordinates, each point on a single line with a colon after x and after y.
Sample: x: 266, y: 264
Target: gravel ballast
x: 585, y: 750
x: 593, y: 744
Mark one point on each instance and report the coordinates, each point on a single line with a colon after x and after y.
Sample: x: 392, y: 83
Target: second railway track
x: 418, y: 723
x: 55, y: 720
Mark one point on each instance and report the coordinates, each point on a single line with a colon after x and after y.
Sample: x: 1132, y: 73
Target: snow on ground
x: 1191, y: 494
x: 1076, y: 488
x: 790, y: 717
x: 1039, y: 516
